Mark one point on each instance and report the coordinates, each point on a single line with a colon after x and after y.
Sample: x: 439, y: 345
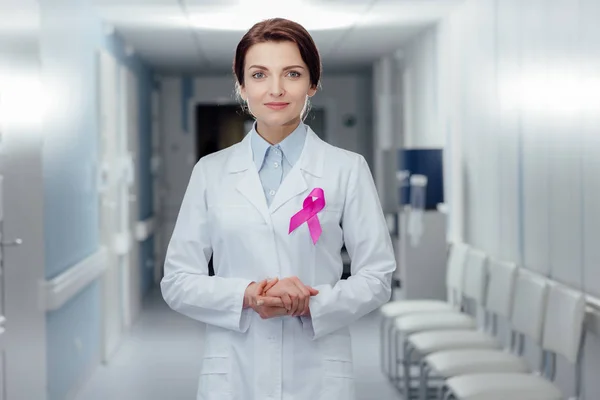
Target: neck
x: 276, y: 134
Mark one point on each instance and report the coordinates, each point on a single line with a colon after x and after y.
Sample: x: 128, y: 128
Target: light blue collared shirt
x: 274, y: 162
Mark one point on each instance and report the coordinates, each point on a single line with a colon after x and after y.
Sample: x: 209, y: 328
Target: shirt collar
x: 291, y: 146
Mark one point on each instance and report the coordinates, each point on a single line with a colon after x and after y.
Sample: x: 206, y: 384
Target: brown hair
x: 279, y: 30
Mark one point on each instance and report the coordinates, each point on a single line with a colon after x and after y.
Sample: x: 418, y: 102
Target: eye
x: 258, y: 75
x: 295, y: 74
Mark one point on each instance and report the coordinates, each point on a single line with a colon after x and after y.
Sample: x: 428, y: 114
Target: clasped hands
x: 278, y: 298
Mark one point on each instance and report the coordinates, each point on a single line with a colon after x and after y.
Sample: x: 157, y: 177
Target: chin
x: 279, y: 120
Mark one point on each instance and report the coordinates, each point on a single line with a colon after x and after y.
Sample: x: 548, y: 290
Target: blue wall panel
x: 426, y: 162
x: 70, y: 35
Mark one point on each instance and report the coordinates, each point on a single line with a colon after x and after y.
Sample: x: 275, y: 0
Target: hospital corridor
x: 299, y: 200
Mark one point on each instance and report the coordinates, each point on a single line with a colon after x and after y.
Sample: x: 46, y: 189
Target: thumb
x: 259, y: 291
x: 313, y: 291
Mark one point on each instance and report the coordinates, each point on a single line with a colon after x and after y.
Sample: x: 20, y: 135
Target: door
x: 158, y: 188
x: 3, y: 244
x: 110, y: 201
x: 22, y: 317
x: 131, y: 272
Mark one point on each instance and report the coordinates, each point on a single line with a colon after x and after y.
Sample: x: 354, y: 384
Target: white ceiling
x: 163, y: 32
x: 19, y: 36
x: 18, y: 18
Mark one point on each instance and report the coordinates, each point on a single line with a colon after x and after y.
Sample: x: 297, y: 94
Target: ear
x: 243, y: 93
x: 312, y: 91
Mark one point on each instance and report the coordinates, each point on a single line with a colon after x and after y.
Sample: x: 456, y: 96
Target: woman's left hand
x: 294, y: 294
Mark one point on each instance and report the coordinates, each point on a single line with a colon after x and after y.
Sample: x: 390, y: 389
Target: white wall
x: 518, y: 97
x: 387, y: 128
x: 419, y: 79
x: 341, y: 95
x: 23, y: 375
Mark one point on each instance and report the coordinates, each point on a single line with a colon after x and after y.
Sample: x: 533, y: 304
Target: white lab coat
x: 224, y: 211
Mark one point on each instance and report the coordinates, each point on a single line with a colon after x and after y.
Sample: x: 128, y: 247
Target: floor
x: 159, y: 360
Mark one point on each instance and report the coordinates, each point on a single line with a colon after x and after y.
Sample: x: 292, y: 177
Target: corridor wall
x: 70, y: 34
x: 518, y: 99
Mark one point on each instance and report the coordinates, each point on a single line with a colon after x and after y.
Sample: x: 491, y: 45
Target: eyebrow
x: 285, y: 69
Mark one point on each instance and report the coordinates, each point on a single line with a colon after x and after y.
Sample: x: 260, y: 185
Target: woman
x: 281, y: 204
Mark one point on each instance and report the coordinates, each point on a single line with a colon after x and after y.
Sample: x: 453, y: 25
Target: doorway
x: 131, y: 272
x: 316, y: 120
x: 118, y: 203
x: 218, y: 127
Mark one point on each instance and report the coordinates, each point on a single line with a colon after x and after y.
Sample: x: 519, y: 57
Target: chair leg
x: 394, y: 359
x: 449, y: 396
x: 382, y: 344
x: 393, y: 352
x: 441, y: 392
x: 424, y: 381
x: 407, y: 358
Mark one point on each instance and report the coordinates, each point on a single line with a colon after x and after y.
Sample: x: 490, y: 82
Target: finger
x: 305, y: 291
x: 260, y: 286
x: 279, y: 311
x: 305, y: 305
x: 268, y: 301
x: 295, y: 304
x: 259, y: 289
x: 303, y: 295
x: 272, y: 312
x: 270, y: 284
x: 287, y: 301
x: 303, y: 300
x: 301, y: 307
x: 313, y: 291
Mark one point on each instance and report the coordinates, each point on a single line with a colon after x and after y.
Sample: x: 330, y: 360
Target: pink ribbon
x: 308, y: 214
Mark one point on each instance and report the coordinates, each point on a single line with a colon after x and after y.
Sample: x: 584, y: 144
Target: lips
x: 277, y: 105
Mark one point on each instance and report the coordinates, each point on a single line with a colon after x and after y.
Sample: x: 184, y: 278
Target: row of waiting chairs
x: 468, y: 357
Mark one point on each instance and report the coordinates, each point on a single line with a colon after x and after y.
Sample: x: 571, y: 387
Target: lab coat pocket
x: 338, y: 371
x: 214, y: 379
x: 338, y: 380
x: 336, y: 346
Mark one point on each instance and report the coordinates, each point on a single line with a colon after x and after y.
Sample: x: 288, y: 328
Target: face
x: 276, y: 83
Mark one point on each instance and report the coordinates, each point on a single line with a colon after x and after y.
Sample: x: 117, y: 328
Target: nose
x: 277, y: 89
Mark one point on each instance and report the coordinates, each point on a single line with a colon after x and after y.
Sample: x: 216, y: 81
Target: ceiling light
x: 242, y: 17
x: 23, y: 100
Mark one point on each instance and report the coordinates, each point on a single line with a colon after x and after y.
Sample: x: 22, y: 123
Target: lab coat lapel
x: 311, y: 162
x: 293, y: 185
x: 248, y: 183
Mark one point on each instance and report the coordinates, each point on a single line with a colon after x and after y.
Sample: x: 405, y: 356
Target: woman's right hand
x: 265, y: 306
x: 294, y: 294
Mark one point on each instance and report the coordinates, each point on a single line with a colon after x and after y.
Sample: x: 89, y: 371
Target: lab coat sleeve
x: 372, y: 257
x: 186, y: 286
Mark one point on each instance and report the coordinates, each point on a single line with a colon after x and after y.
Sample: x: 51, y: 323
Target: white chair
x: 563, y: 334
x: 475, y: 277
x: 394, y: 309
x: 498, y: 303
x: 527, y: 318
